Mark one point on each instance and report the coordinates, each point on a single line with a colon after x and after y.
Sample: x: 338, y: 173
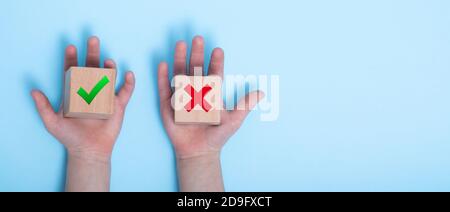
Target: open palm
x: 197, y: 140
x: 86, y: 135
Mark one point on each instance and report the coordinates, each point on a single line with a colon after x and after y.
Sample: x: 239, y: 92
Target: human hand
x: 198, y: 147
x: 82, y: 138
x: 197, y: 140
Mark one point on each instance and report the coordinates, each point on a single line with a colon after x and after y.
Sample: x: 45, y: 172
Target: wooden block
x: 197, y: 99
x: 88, y: 82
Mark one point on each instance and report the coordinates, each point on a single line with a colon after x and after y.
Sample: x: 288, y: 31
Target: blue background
x: 365, y: 92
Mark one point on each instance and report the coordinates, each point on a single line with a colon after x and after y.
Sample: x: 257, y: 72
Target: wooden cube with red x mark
x: 197, y: 99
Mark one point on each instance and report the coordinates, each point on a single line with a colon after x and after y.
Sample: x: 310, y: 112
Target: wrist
x: 196, y: 155
x: 88, y: 171
x: 89, y: 156
x: 196, y: 149
x: 199, y: 159
x: 200, y: 173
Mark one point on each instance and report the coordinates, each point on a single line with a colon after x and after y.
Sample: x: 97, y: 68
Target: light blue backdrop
x: 365, y: 90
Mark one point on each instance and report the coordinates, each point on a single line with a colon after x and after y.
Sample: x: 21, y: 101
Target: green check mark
x: 89, y: 97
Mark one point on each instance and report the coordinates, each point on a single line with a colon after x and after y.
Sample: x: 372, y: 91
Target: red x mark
x: 198, y: 98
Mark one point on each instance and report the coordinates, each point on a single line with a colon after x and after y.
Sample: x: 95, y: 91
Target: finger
x: 70, y: 58
x: 245, y: 106
x: 45, y: 110
x: 165, y: 91
x: 93, y: 52
x: 127, y: 89
x: 180, y: 58
x: 197, y: 54
x: 109, y: 64
x: 216, y: 66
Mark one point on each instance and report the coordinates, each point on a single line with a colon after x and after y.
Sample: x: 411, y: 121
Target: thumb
x: 244, y: 107
x: 45, y: 109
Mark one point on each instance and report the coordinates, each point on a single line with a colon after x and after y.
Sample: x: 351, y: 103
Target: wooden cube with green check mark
x: 89, y: 93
